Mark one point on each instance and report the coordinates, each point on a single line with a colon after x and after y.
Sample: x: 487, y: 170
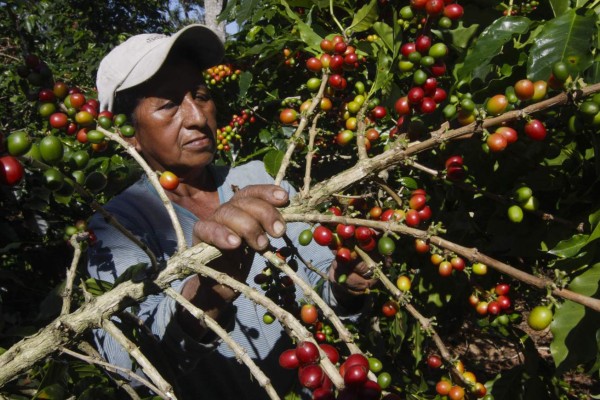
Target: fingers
x: 249, y: 216
x: 272, y: 194
x: 356, y: 277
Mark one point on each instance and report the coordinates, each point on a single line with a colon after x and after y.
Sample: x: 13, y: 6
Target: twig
x: 181, y: 242
x: 301, y: 125
x: 425, y: 322
x: 501, y: 199
x: 297, y: 330
x: 71, y: 272
x: 471, y: 254
x: 165, y: 390
x: 336, y: 184
x: 91, y: 351
x: 108, y: 217
x: 360, y: 131
x: 312, y: 134
x: 309, y: 292
x: 239, y: 351
x: 113, y: 368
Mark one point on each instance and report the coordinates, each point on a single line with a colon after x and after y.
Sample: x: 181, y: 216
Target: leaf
x: 570, y: 247
x: 559, y: 7
x: 565, y: 38
x: 390, y: 39
x: 51, y: 392
x: 96, y: 287
x: 594, y: 219
x: 245, y: 10
x: 365, y: 17
x: 245, y: 82
x: 383, y: 79
x: 52, y: 303
x: 307, y: 35
x: 573, y: 341
x: 461, y: 36
x: 408, y: 182
x: 490, y: 43
x: 136, y: 272
x: 272, y: 161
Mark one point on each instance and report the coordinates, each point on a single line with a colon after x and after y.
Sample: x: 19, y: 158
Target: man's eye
x: 203, y: 95
x: 167, y: 106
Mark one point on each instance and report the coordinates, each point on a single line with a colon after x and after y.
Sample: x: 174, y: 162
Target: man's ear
x: 134, y: 142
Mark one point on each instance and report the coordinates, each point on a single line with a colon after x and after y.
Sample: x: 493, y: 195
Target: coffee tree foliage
x: 532, y: 205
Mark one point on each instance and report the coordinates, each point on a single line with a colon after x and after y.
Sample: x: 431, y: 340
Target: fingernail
x: 280, y: 194
x: 278, y: 228
x: 262, y: 241
x: 233, y: 240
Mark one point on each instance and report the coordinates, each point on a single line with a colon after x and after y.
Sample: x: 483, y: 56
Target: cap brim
x: 200, y: 42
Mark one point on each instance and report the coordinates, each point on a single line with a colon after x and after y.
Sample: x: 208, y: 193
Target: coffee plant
x: 451, y: 146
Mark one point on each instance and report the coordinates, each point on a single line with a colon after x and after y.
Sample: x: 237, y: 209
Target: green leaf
x: 51, y: 392
x: 490, y: 43
x: 383, y: 79
x: 574, y: 326
x: 272, y: 161
x: 245, y: 82
x: 559, y: 7
x: 461, y: 36
x: 408, y: 182
x: 565, y: 38
x: 386, y: 33
x: 594, y: 219
x: 570, y: 247
x: 365, y: 17
x: 307, y: 35
x: 135, y: 272
x: 245, y: 9
x: 96, y: 287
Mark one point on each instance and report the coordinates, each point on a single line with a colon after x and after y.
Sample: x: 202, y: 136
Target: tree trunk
x: 212, y: 9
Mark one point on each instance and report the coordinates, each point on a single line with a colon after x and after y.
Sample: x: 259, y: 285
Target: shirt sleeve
x: 113, y: 253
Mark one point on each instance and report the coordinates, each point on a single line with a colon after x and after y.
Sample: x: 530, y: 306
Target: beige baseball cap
x: 138, y: 58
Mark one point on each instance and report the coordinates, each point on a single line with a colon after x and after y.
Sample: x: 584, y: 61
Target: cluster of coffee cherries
x: 463, y: 107
x: 520, y: 9
x: 453, y: 391
x: 290, y: 58
x: 492, y: 302
x: 447, y: 265
x: 525, y: 200
x: 337, y: 57
x: 424, y: 12
x: 277, y: 286
x: 455, y: 169
x: 80, y: 227
x: 67, y: 113
x: 35, y: 71
x: 589, y: 111
x: 233, y: 131
x: 309, y: 315
x: 354, y: 370
x: 221, y: 74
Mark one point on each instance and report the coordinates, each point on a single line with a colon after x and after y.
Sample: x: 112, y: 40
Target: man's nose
x: 193, y: 113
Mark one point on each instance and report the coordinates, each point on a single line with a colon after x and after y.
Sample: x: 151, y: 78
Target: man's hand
x: 248, y: 217
x: 357, y: 280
